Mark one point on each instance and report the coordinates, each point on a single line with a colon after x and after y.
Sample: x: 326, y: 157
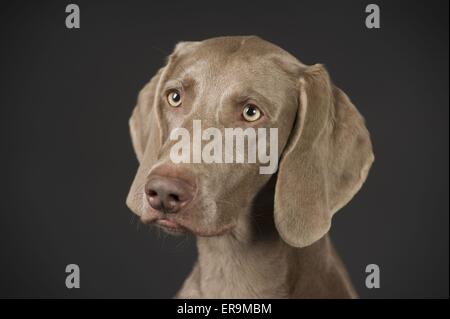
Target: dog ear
x: 140, y: 121
x: 324, y: 163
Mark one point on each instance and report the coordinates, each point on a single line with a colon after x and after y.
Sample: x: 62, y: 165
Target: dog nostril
x: 152, y: 193
x: 174, y: 197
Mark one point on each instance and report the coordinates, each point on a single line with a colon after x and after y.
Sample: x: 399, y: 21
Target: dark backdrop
x: 67, y: 161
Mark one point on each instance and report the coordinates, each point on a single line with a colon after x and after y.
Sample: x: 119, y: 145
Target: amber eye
x: 251, y: 113
x: 174, y: 98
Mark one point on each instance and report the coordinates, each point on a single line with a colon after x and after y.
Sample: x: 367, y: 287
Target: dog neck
x: 229, y: 267
x: 252, y: 261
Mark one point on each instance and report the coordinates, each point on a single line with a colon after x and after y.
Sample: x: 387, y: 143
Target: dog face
x: 246, y: 82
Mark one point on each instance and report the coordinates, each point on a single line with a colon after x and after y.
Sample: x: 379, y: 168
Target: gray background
x: 67, y: 160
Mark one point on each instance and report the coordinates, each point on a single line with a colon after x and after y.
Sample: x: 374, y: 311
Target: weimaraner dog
x: 258, y: 235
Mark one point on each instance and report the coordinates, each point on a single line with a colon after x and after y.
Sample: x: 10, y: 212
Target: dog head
x: 249, y: 84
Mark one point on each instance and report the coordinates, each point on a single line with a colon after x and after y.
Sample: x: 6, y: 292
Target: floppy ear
x: 324, y: 163
x: 140, y: 121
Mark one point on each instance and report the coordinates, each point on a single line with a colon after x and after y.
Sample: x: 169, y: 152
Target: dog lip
x: 168, y: 224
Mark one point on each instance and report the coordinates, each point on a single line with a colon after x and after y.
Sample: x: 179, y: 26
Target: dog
x: 258, y: 235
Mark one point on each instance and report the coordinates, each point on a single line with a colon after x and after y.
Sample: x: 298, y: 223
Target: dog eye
x: 251, y: 113
x: 174, y: 98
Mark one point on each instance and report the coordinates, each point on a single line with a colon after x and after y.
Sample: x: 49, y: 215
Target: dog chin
x: 170, y: 227
x: 209, y: 232
x: 175, y: 228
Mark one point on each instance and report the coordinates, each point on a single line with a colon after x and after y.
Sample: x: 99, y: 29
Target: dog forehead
x: 221, y: 50
x: 240, y: 45
x: 228, y: 60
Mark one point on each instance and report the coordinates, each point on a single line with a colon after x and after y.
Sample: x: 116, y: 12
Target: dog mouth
x: 170, y: 225
x: 178, y: 226
x: 151, y: 217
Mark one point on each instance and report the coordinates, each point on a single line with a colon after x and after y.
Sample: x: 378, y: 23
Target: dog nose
x: 168, y: 194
